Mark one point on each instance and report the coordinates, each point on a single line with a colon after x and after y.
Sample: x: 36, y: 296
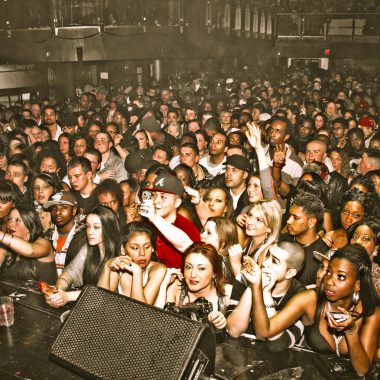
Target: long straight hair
x: 270, y: 212
x: 94, y: 263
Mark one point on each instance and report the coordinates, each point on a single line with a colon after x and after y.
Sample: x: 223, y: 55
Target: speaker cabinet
x: 110, y: 336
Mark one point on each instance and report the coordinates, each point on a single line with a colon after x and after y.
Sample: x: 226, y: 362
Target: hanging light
x: 238, y: 19
x: 262, y: 24
x: 227, y: 17
x: 208, y: 16
x: 247, y: 21
x: 255, y: 23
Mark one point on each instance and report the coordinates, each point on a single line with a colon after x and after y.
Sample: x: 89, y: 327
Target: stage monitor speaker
x: 110, y: 336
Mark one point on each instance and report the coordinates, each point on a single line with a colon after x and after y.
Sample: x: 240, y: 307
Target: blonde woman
x: 263, y: 225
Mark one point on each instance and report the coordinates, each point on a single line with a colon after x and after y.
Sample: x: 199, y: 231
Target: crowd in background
x: 257, y: 193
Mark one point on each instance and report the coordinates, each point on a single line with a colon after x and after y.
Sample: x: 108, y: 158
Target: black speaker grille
x: 109, y: 336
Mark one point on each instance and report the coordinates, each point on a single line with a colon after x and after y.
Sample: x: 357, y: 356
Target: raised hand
x: 241, y: 220
x: 147, y: 209
x: 253, y: 135
x: 171, y: 275
x: 194, y: 194
x: 251, y: 271
x: 279, y: 156
x: 268, y: 280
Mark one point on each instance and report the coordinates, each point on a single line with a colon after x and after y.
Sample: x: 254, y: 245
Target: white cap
x: 264, y: 116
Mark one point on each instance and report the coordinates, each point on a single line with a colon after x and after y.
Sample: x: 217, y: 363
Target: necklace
x: 337, y: 338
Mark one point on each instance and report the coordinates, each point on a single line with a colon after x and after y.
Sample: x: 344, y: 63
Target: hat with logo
x: 167, y: 183
x: 367, y: 122
x: 61, y: 198
x: 239, y: 162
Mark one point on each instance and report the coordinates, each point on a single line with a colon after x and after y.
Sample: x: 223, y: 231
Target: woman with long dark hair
x: 343, y: 317
x: 42, y: 187
x: 95, y: 246
x: 135, y: 273
x: 27, y: 255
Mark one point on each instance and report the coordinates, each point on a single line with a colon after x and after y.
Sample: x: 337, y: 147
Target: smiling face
x: 139, y: 248
x: 254, y: 190
x: 340, y: 280
x: 255, y: 225
x: 94, y: 230
x: 198, y: 273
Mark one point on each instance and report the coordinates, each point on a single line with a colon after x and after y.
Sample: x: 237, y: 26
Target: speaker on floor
x: 110, y: 336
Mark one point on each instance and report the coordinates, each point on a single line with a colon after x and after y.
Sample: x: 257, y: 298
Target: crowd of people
x: 259, y: 195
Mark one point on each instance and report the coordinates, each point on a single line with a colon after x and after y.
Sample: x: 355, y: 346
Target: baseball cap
x: 366, y: 122
x: 264, y: 116
x: 363, y: 104
x: 239, y: 162
x: 324, y: 256
x: 61, y: 198
x: 136, y: 161
x: 165, y: 183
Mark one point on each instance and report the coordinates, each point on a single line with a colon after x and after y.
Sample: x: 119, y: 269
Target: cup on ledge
x: 7, y: 312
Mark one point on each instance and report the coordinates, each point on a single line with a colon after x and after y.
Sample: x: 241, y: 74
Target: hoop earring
x: 355, y: 298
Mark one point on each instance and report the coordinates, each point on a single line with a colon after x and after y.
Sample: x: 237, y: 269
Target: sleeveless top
x: 145, y: 276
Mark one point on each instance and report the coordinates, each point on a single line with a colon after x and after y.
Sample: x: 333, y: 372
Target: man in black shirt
x: 80, y: 177
x: 304, y: 222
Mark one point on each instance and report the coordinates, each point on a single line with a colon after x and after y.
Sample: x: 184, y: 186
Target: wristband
x: 270, y: 306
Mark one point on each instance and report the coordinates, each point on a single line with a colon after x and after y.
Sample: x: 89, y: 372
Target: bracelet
x: 353, y: 331
x: 2, y: 237
x: 270, y: 306
x: 63, y: 279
